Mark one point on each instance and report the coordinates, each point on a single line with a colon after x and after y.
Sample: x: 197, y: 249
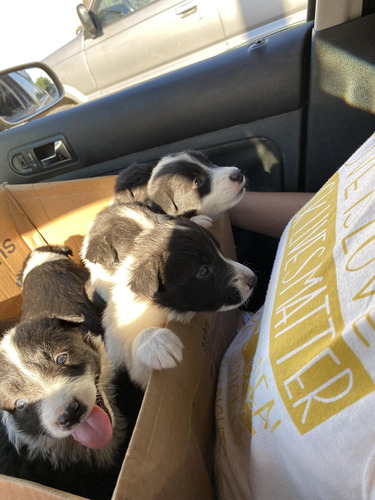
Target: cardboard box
x: 171, y: 449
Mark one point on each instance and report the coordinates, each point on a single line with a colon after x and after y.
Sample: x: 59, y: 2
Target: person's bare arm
x: 267, y: 213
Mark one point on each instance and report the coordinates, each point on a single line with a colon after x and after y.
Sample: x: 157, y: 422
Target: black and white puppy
x: 182, y: 184
x: 185, y: 183
x: 56, y: 395
x: 165, y: 271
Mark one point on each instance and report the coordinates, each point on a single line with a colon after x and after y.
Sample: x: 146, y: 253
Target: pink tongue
x: 95, y: 431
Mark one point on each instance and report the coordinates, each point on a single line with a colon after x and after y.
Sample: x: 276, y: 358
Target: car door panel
x: 185, y: 104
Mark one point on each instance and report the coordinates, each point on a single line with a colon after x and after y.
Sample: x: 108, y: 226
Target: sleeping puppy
x: 185, y: 183
x: 166, y: 271
x: 56, y: 401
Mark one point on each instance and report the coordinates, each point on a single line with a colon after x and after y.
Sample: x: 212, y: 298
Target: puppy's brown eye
x: 203, y: 272
x: 21, y: 403
x: 197, y: 182
x: 61, y: 359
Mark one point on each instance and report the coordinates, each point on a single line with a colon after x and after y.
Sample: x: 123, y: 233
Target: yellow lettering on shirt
x: 316, y: 373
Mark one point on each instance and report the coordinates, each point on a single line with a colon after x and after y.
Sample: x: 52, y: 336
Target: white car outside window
x: 124, y: 42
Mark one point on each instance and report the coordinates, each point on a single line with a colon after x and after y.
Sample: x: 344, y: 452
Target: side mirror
x: 91, y: 30
x: 27, y: 91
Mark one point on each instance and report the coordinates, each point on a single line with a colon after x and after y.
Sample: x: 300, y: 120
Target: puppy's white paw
x: 158, y: 348
x: 202, y: 220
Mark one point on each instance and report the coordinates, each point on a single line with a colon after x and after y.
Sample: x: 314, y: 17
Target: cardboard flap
x: 171, y: 450
x: 20, y: 489
x: 63, y: 211
x: 36, y: 214
x: 17, y: 237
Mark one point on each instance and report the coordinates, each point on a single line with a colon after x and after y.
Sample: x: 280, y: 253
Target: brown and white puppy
x: 56, y: 393
x: 185, y: 183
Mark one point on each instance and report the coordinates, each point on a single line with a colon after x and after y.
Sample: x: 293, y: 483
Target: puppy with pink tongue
x: 56, y: 381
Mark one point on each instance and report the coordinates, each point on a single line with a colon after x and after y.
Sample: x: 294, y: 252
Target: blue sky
x: 32, y: 29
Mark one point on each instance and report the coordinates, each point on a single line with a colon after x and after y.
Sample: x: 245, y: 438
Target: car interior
x: 287, y: 109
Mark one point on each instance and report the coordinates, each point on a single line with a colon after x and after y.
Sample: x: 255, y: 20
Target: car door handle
x: 60, y: 154
x: 186, y: 9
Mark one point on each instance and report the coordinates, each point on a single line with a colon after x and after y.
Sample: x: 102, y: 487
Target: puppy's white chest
x: 125, y: 317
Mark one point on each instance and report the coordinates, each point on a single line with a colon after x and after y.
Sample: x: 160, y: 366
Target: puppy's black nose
x: 236, y: 176
x: 72, y: 415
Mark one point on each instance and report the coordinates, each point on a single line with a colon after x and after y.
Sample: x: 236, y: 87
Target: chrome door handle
x: 59, y: 155
x: 186, y: 9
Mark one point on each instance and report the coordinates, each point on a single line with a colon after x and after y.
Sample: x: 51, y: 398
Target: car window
x: 122, y: 43
x: 110, y: 11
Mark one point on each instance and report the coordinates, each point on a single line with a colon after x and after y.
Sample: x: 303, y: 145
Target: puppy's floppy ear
x: 131, y: 183
x: 133, y: 176
x: 71, y: 320
x: 162, y: 192
x: 100, y: 250
x: 163, y: 199
x: 145, y: 278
